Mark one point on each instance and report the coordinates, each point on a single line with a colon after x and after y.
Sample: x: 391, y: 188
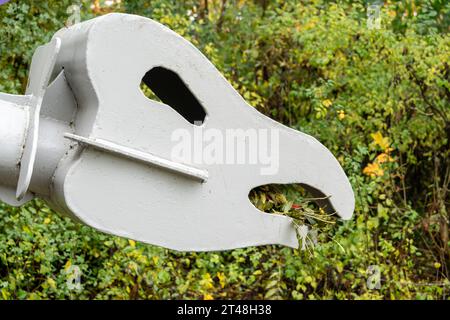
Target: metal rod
x: 114, y: 148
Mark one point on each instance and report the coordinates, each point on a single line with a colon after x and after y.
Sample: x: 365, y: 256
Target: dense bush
x: 377, y: 98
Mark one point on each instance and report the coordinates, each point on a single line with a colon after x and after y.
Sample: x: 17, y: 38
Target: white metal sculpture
x: 86, y: 139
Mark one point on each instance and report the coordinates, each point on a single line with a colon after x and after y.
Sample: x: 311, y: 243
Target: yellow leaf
x: 207, y: 297
x: 51, y: 283
x: 379, y: 140
x: 373, y: 170
x: 222, y: 278
x: 132, y: 243
x: 67, y: 265
x: 47, y: 220
x: 383, y: 157
x: 26, y: 229
x: 5, y: 294
x: 327, y: 103
x: 207, y: 281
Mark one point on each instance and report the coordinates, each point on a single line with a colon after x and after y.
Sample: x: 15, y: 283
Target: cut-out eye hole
x: 166, y: 86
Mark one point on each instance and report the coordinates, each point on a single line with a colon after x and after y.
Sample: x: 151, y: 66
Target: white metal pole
x: 13, y: 127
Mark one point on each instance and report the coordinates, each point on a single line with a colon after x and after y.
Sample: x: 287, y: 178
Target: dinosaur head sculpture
x: 87, y: 140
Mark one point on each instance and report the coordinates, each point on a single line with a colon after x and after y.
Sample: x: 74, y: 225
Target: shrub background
x: 378, y: 99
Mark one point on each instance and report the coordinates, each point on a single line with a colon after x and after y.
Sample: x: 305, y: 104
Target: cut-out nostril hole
x: 166, y: 86
x: 294, y: 200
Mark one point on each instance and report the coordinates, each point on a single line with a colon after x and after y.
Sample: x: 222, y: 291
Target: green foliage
x: 378, y: 99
